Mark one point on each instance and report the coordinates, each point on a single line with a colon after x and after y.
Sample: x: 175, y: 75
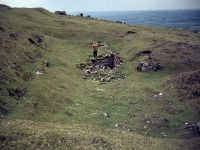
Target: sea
x: 184, y: 19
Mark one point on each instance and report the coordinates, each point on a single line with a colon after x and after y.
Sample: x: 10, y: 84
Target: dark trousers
x: 95, y: 54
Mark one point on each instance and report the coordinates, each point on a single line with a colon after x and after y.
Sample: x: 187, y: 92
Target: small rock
x: 132, y: 102
x: 108, y: 79
x: 98, y: 89
x: 163, y: 134
x: 46, y: 63
x: 88, y: 71
x: 117, y: 124
x: 38, y: 73
x: 106, y: 114
x: 157, y: 94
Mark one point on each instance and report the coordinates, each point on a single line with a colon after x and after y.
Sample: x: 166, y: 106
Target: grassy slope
x: 60, y: 109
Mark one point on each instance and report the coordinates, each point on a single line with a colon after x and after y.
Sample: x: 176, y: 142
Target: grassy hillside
x: 60, y: 110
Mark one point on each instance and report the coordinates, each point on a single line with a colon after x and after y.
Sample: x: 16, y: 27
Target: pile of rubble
x: 103, y: 68
x: 147, y: 63
x: 193, y: 128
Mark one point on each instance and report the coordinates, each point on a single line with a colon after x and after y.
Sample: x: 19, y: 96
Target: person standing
x: 95, y: 46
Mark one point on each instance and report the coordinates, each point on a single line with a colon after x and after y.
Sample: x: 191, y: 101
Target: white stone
x: 38, y: 72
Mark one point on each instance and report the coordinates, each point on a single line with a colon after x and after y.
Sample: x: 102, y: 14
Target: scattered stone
x: 38, y: 73
x: 106, y: 114
x: 148, y: 65
x: 39, y: 39
x: 193, y: 128
x: 163, y: 134
x: 46, y: 63
x: 16, y: 92
x: 4, y: 109
x: 103, y: 68
x: 31, y: 41
x: 117, y: 124
x: 156, y: 121
x: 132, y: 102
x: 124, y: 126
x: 14, y: 35
x: 98, y: 89
x: 157, y: 95
x: 81, y: 66
x: 52, y: 57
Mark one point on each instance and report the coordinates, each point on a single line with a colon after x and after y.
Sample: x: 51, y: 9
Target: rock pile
x: 147, y: 63
x: 103, y: 68
x: 193, y: 128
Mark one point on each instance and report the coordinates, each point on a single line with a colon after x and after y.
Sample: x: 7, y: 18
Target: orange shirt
x: 95, y: 46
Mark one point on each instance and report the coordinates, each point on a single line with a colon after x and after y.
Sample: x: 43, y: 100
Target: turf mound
x: 187, y: 84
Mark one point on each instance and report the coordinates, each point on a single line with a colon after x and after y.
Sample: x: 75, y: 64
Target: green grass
x: 62, y: 110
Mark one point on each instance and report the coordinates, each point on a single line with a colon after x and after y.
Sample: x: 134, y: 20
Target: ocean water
x: 185, y: 19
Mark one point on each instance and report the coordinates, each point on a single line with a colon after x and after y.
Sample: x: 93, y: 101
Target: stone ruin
x: 103, y: 68
x: 147, y: 63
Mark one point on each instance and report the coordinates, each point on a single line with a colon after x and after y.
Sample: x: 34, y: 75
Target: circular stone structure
x: 104, y: 68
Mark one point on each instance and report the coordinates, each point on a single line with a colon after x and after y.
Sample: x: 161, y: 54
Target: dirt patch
x: 176, y: 55
x: 186, y: 84
x: 103, y: 68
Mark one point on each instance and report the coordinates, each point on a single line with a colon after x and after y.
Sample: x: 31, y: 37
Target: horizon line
x: 75, y: 11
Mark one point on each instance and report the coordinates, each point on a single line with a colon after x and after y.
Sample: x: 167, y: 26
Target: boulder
x: 61, y: 12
